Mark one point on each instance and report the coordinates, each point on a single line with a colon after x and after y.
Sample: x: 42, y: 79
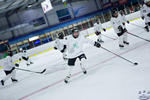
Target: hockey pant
x: 10, y: 74
x: 123, y: 38
x: 71, y: 64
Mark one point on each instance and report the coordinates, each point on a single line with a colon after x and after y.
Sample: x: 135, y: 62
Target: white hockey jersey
x: 116, y: 22
x: 144, y: 11
x: 59, y: 44
x: 97, y: 27
x: 8, y: 63
x: 75, y: 45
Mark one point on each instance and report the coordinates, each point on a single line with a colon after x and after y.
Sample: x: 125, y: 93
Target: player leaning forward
x: 23, y: 54
x: 119, y: 28
x: 98, y: 28
x: 74, y: 45
x: 145, y: 14
x: 9, y: 68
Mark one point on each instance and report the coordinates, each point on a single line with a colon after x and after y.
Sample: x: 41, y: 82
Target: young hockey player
x: 9, y: 68
x: 145, y: 14
x: 97, y: 29
x: 24, y: 56
x: 119, y: 28
x: 74, y: 47
x: 60, y: 46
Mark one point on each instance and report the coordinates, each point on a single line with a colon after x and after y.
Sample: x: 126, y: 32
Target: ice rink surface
x: 109, y: 77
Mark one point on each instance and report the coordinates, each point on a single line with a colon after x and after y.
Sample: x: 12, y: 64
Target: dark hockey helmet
x: 75, y: 30
x: 122, y: 12
x: 10, y: 53
x: 75, y: 33
x: 60, y: 35
x: 97, y: 21
x: 114, y: 12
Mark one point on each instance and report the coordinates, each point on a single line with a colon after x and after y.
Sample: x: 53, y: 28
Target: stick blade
x: 135, y: 63
x: 43, y: 71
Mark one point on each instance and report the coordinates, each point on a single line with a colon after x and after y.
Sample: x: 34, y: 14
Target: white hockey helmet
x: 145, y: 1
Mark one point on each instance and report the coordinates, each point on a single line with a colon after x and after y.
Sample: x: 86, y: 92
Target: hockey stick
x: 135, y: 63
x: 31, y: 71
x: 109, y: 37
x: 138, y: 37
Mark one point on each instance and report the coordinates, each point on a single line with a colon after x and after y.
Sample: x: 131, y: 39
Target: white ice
x: 109, y: 77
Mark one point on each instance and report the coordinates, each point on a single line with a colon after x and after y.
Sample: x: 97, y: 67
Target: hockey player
x: 24, y: 56
x: 74, y: 47
x: 145, y: 14
x: 60, y: 46
x: 97, y: 29
x: 119, y: 28
x: 9, y: 69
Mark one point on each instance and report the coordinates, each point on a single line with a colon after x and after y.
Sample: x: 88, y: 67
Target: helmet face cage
x: 10, y: 53
x: 73, y: 31
x: 114, y: 12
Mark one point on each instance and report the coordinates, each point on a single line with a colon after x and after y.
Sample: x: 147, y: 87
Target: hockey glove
x: 63, y: 50
x: 25, y: 58
x: 128, y: 22
x: 55, y: 48
x: 104, y: 29
x: 125, y: 30
x: 123, y: 23
x: 24, y: 51
x: 148, y: 23
x: 97, y: 44
x: 142, y: 17
x: 120, y: 34
x: 19, y: 59
x: 97, y: 33
x: 120, y: 29
x: 17, y: 65
x: 148, y: 14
